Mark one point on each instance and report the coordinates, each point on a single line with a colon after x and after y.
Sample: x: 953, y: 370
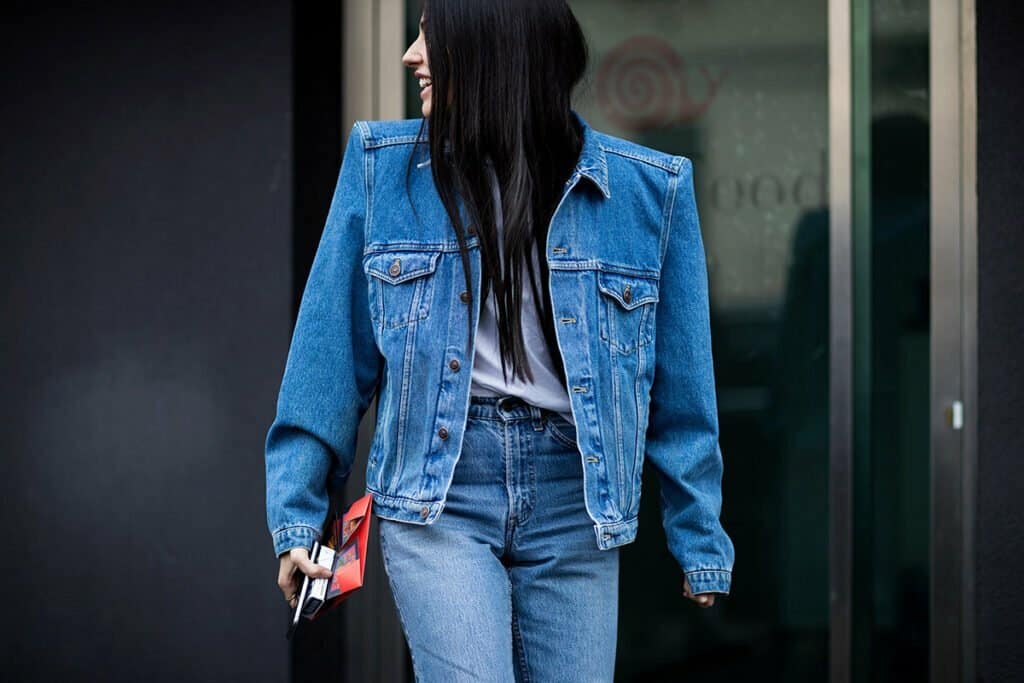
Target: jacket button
x: 424, y: 512
x: 627, y: 294
x: 471, y: 230
x: 443, y: 433
x: 464, y: 297
x: 454, y: 364
x: 396, y: 267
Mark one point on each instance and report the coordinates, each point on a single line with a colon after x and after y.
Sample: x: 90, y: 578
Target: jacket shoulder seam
x: 663, y: 162
x: 671, y: 191
x: 386, y: 141
x: 392, y: 132
x: 633, y: 150
x: 363, y: 128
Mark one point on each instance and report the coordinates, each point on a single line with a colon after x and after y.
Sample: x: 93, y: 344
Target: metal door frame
x: 953, y: 337
x: 840, y: 546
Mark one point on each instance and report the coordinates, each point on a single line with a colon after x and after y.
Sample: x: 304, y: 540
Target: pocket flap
x: 395, y: 267
x: 629, y: 291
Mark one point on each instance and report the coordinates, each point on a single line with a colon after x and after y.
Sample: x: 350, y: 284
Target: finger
x: 286, y: 577
x: 705, y: 600
x: 310, y: 568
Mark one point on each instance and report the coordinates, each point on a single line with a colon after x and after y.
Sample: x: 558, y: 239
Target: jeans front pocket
x: 562, y: 430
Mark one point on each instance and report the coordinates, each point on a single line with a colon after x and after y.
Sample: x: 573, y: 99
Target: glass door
x: 891, y: 340
x: 741, y: 88
x: 810, y: 125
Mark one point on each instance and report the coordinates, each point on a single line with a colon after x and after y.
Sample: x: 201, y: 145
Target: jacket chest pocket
x: 401, y: 286
x: 626, y: 309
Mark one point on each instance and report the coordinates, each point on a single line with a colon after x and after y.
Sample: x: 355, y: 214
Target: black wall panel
x: 1000, y: 514
x: 147, y: 299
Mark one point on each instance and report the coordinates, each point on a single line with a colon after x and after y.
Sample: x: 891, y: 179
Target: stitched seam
x: 640, y: 427
x: 363, y: 130
x: 393, y: 140
x: 367, y: 182
x: 390, y: 496
x: 652, y: 161
x: 394, y: 595
x: 620, y: 466
x: 556, y: 432
x: 412, y: 245
x: 524, y: 664
x: 295, y: 526
x: 670, y: 205
x: 484, y: 417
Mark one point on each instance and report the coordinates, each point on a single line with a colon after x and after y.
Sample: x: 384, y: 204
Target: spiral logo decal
x: 642, y: 83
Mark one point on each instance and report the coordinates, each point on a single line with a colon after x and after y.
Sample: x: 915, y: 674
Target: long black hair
x: 502, y: 75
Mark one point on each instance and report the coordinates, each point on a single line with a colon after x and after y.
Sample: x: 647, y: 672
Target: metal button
x: 464, y: 296
x: 454, y: 364
x: 443, y: 433
x: 627, y: 294
x: 471, y: 230
x: 396, y: 267
x: 424, y: 512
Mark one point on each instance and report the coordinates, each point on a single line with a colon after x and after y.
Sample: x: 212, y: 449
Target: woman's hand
x: 703, y: 599
x: 287, y: 578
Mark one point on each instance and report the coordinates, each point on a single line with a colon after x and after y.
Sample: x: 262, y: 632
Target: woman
x: 586, y: 251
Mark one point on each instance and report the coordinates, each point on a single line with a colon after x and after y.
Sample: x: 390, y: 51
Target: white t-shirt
x: 545, y: 390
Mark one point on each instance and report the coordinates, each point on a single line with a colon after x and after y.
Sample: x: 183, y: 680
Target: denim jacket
x: 384, y: 314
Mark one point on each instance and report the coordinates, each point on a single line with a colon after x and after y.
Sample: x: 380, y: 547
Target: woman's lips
x: 425, y: 90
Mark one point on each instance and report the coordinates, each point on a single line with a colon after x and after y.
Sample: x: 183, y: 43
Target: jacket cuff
x: 298, y: 536
x: 709, y: 581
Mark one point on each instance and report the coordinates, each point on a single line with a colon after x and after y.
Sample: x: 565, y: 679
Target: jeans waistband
x: 507, y: 408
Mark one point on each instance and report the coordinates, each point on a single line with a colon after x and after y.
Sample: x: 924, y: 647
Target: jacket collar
x: 592, y: 163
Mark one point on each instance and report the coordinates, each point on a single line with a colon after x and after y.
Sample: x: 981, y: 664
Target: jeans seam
x: 517, y: 634
x: 398, y: 607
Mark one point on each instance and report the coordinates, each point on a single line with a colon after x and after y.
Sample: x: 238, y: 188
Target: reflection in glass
x: 740, y: 87
x: 891, y: 349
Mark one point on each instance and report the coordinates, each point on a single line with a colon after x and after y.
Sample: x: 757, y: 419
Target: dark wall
x: 147, y: 295
x: 1000, y: 515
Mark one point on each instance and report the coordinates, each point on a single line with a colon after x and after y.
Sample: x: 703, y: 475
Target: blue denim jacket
x: 384, y: 313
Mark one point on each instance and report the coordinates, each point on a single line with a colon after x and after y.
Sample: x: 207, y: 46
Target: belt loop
x: 537, y: 415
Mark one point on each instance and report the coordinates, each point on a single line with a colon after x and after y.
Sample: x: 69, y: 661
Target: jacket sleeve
x: 331, y: 372
x: 682, y: 432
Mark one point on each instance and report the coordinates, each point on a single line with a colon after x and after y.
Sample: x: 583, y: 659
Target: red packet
x: 349, y: 536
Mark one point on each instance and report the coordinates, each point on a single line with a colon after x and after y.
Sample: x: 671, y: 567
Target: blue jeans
x: 508, y: 583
